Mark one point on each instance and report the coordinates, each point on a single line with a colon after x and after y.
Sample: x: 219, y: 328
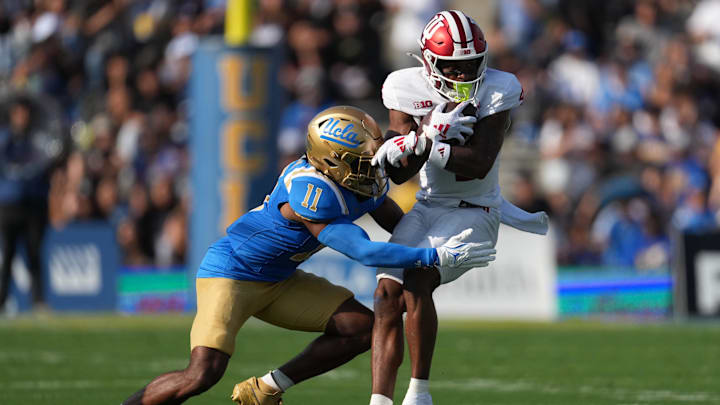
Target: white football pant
x: 431, y: 225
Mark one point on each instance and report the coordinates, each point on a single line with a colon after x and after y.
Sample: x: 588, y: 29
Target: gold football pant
x: 302, y: 302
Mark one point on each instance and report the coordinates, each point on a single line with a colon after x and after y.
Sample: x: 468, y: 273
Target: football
x: 469, y: 110
x: 412, y: 164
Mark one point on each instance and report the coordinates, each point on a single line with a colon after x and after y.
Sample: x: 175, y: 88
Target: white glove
x: 455, y: 257
x: 396, y: 148
x: 450, y: 125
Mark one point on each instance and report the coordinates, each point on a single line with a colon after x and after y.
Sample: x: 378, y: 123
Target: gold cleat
x: 255, y: 392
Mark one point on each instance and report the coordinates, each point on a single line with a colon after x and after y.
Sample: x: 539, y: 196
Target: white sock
x: 418, y: 386
x: 380, y: 399
x: 270, y: 381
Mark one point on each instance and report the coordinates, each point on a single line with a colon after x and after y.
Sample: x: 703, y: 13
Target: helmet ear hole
x: 330, y: 163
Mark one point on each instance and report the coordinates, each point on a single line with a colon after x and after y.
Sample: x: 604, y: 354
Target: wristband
x: 439, y: 154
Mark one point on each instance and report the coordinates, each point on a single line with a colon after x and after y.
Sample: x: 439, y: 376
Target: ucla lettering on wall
x: 80, y: 263
x: 234, y: 114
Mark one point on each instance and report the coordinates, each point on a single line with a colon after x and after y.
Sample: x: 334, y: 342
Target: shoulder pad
x: 501, y: 91
x: 407, y: 90
x: 315, y: 197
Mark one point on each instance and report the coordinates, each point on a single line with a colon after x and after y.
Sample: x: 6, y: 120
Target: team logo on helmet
x: 341, y: 142
x: 333, y: 132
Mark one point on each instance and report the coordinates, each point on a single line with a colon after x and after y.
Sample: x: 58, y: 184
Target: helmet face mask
x: 364, y: 178
x: 341, y: 143
x: 452, y: 38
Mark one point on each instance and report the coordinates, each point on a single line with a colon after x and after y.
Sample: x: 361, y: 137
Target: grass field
x: 101, y: 360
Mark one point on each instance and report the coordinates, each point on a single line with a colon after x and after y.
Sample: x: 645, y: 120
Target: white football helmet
x: 453, y: 36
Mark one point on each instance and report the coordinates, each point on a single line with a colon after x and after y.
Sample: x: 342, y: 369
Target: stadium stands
x: 618, y: 137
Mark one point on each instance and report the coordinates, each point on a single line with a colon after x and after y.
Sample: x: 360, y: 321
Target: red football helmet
x: 453, y: 36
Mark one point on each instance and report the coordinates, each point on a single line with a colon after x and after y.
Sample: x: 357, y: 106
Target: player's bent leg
x: 347, y: 334
x: 310, y: 303
x: 206, y: 368
x: 387, y: 336
x: 421, y: 320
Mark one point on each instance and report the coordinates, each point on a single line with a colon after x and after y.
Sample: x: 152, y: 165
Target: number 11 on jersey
x: 318, y: 192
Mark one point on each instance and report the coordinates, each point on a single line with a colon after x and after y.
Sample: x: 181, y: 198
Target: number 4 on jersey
x: 318, y: 192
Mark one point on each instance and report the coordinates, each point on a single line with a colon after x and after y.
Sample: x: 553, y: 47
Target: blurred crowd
x: 116, y: 72
x: 621, y: 106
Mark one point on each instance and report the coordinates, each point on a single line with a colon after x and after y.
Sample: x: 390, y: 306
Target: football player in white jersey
x: 457, y: 158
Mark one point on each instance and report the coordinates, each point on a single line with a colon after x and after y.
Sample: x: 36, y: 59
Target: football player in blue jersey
x: 253, y: 270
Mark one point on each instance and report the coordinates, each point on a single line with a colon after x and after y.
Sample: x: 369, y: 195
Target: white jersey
x: 408, y: 91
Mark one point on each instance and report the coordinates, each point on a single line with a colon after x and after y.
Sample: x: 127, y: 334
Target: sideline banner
x: 153, y: 290
x: 80, y: 263
x: 614, y: 292
x: 235, y: 105
x: 515, y: 286
x: 697, y: 274
x: 519, y: 284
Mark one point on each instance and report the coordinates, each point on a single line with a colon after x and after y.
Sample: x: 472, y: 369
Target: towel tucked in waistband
x: 518, y: 218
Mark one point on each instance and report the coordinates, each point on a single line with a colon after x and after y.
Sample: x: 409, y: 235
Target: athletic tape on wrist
x: 420, y: 144
x: 439, y: 154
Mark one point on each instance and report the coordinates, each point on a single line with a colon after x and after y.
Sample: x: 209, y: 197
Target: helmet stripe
x: 452, y: 25
x: 463, y: 21
x: 461, y: 26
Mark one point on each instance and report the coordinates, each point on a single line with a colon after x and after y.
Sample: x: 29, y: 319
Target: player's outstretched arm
x: 453, y: 258
x: 349, y: 239
x: 387, y: 215
x: 352, y: 241
x: 477, y: 156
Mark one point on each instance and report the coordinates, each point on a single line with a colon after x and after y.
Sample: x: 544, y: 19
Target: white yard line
x: 639, y: 396
x: 68, y: 384
x: 37, y: 356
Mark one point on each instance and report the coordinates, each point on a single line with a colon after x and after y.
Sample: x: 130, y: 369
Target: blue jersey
x: 262, y: 245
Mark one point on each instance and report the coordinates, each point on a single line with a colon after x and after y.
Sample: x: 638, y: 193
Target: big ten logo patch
x: 422, y: 104
x: 338, y: 131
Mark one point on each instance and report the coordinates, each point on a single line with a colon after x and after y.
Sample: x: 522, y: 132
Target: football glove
x: 399, y: 147
x: 455, y: 257
x: 450, y: 125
